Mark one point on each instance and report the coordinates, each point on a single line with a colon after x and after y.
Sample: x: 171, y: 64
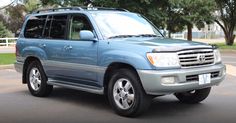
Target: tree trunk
x: 229, y: 38
x: 189, y: 36
x: 228, y: 29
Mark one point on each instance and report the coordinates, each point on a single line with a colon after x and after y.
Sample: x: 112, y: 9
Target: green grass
x: 7, y: 58
x: 223, y: 46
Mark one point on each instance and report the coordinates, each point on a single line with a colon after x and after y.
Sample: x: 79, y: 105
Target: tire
x: 36, y: 73
x: 125, y: 93
x: 193, y: 97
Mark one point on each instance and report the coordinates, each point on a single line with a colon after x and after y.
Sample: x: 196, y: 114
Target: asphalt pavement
x: 72, y: 106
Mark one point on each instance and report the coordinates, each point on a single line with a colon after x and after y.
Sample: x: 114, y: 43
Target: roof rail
x: 57, y: 9
x: 104, y: 8
x: 78, y: 8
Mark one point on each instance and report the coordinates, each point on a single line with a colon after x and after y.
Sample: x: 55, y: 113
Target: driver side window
x: 78, y: 23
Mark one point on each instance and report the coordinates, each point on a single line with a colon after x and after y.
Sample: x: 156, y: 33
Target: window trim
x: 45, y: 26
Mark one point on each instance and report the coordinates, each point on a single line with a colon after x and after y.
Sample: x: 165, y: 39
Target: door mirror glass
x: 86, y: 35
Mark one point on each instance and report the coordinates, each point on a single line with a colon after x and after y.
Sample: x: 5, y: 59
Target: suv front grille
x: 195, y: 58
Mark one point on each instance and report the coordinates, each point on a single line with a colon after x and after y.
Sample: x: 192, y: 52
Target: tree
x: 31, y: 5
x: 62, y: 3
x: 152, y: 9
x: 175, y: 15
x: 15, y: 18
x: 227, y: 18
x: 3, y: 31
x: 174, y: 22
x: 14, y: 14
x: 192, y: 12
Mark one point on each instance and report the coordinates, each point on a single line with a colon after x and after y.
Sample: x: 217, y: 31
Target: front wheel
x: 37, y: 80
x: 126, y: 95
x: 195, y: 96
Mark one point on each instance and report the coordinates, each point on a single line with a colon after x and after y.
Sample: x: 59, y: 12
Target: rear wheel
x: 195, y: 96
x: 126, y: 95
x: 37, y: 80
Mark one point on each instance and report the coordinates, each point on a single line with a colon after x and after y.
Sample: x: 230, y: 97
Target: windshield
x: 124, y: 25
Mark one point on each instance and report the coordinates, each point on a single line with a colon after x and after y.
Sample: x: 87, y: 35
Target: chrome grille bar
x: 195, y: 58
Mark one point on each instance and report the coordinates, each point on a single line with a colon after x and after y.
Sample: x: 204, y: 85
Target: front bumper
x: 18, y: 66
x: 152, y: 79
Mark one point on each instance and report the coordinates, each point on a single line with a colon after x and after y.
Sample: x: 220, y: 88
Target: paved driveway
x: 7, y: 49
x: 71, y: 106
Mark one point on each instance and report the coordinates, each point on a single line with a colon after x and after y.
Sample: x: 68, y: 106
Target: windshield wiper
x: 140, y: 35
x: 121, y: 36
x: 147, y: 35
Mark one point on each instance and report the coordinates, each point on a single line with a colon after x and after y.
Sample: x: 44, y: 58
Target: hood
x: 166, y: 44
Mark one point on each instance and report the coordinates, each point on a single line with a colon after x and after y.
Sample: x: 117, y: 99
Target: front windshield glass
x: 123, y: 25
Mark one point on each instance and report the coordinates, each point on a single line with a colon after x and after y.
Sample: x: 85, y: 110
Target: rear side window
x: 56, y: 27
x: 34, y: 27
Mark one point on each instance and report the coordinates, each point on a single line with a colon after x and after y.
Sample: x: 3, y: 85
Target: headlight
x: 163, y: 59
x: 217, y: 56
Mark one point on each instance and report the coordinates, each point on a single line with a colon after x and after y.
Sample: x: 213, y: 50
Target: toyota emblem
x: 201, y: 58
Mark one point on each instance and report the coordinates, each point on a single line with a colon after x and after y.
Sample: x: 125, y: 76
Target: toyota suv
x: 113, y: 52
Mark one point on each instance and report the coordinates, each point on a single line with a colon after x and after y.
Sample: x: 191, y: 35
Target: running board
x: 80, y: 87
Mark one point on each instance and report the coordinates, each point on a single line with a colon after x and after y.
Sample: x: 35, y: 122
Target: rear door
x: 54, y: 41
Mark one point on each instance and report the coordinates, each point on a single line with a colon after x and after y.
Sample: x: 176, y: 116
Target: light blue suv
x: 116, y: 53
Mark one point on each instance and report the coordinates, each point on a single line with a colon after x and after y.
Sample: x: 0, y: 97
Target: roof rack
x: 57, y: 9
x: 77, y: 8
x: 104, y: 8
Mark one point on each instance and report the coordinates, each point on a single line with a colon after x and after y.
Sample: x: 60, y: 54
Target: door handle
x: 42, y: 45
x: 68, y: 47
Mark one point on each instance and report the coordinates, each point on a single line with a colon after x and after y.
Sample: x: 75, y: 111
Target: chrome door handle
x: 42, y: 45
x: 68, y: 47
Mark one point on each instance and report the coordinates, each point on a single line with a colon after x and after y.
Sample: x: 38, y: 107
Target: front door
x: 80, y: 56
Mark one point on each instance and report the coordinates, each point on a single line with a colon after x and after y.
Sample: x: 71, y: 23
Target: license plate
x: 204, y: 79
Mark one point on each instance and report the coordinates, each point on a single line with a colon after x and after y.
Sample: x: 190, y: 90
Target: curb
x: 11, y: 66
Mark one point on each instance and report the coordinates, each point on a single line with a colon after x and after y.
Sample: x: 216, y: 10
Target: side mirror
x: 86, y: 35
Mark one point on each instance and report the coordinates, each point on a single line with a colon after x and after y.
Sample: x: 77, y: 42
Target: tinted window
x: 78, y: 23
x: 34, y: 27
x: 58, y: 27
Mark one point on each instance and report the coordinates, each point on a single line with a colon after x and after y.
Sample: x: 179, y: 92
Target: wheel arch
x: 27, y: 61
x: 112, y: 68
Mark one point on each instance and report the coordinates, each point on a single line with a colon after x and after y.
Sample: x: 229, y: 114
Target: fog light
x: 168, y: 80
